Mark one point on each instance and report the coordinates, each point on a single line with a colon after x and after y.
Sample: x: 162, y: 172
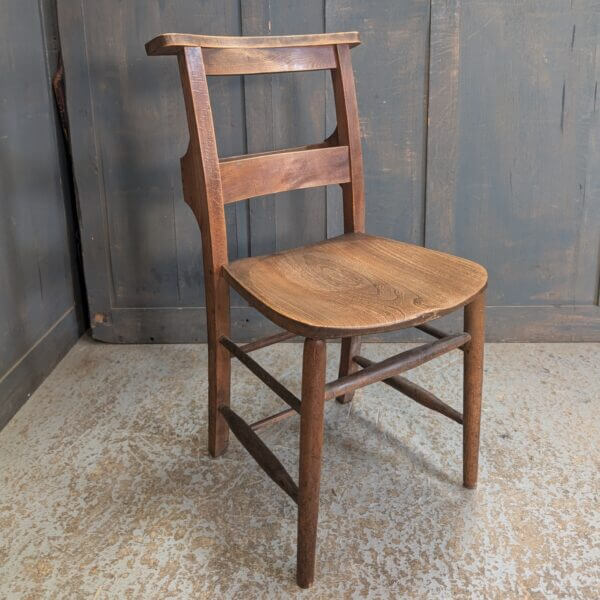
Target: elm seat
x: 355, y: 283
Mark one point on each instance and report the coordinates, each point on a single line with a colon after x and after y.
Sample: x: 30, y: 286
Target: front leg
x: 311, y: 443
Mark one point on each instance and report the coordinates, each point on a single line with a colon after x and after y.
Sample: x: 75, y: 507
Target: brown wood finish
x: 473, y: 383
x: 311, y: 443
x: 252, y: 61
x: 432, y: 331
x: 348, y: 133
x: 353, y: 196
x: 282, y: 336
x: 272, y: 419
x: 266, y: 377
x: 404, y: 361
x: 345, y: 287
x: 264, y: 174
x: 172, y: 43
x: 350, y: 347
x: 415, y: 392
x: 355, y: 284
x: 260, y: 452
x: 330, y: 141
x: 203, y: 192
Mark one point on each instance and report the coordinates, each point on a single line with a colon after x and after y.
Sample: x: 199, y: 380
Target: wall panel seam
x: 99, y: 158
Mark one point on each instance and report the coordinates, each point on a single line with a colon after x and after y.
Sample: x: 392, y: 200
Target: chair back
x: 210, y: 182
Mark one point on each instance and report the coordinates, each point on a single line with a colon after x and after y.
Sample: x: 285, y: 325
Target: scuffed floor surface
x: 107, y: 491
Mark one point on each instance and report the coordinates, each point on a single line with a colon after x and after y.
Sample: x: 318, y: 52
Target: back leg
x: 350, y: 348
x: 473, y: 383
x: 219, y: 368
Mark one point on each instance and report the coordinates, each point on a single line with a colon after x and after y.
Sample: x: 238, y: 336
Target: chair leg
x: 219, y: 369
x: 472, y: 387
x: 350, y: 348
x: 311, y: 442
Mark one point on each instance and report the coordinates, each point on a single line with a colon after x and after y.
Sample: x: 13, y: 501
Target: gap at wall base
x: 504, y: 324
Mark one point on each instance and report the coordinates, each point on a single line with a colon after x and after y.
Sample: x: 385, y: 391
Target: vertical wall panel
x: 391, y: 80
x: 513, y: 172
x: 38, y: 321
x: 442, y: 129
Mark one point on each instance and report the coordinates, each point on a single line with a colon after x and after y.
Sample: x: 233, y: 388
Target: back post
x: 353, y: 193
x: 203, y: 191
x: 348, y: 134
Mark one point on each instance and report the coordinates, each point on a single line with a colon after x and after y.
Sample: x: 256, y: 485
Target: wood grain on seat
x: 355, y: 284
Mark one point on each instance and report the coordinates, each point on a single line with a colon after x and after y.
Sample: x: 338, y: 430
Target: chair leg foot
x: 311, y: 442
x: 472, y: 388
x: 350, y: 348
x: 219, y: 380
x: 219, y: 364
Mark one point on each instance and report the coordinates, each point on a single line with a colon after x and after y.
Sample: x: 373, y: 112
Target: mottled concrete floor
x: 107, y: 490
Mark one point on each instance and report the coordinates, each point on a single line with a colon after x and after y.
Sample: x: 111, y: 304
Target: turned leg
x: 219, y: 367
x: 311, y: 442
x: 473, y: 380
x: 350, y: 348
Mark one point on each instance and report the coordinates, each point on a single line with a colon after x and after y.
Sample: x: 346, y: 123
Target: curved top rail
x: 171, y: 43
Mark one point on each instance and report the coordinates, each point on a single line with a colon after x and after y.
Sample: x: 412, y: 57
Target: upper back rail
x: 227, y: 55
x: 171, y: 43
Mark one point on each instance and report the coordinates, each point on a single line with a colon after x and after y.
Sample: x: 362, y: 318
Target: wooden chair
x: 346, y: 287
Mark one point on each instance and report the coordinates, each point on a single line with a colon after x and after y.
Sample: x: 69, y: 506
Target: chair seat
x: 355, y: 284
